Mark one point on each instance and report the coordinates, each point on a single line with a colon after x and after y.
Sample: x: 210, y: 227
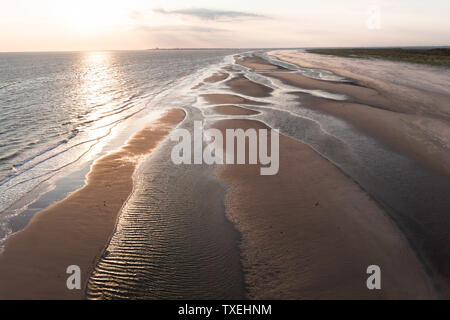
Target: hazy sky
x: 47, y: 25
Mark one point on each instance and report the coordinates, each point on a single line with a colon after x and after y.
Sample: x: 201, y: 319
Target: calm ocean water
x: 58, y: 110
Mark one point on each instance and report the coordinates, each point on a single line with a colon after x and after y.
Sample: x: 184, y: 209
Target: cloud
x: 182, y: 36
x: 180, y: 28
x: 208, y: 14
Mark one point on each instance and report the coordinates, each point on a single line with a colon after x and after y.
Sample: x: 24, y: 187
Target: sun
x: 91, y: 16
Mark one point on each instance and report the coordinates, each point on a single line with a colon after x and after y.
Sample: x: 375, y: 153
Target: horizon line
x: 231, y: 48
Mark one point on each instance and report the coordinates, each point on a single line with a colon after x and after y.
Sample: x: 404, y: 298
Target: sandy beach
x: 425, y: 137
x: 222, y: 98
x: 410, y: 134
x: 216, y: 77
x: 310, y: 232
x: 225, y: 159
x: 410, y: 88
x: 234, y: 111
x: 405, y: 109
x: 76, y: 230
x: 244, y: 86
x: 257, y: 64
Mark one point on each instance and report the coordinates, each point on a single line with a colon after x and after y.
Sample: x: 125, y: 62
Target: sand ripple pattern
x: 171, y: 242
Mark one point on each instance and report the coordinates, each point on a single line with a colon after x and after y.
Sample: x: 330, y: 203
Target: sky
x: 73, y: 25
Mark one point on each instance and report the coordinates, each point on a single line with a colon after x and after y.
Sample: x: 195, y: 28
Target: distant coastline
x: 334, y: 49
x: 436, y: 56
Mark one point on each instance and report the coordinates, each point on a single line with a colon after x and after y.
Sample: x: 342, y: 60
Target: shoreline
x: 420, y: 136
x: 309, y: 232
x: 431, y: 288
x: 316, y: 223
x: 413, y: 122
x: 230, y: 110
x: 76, y: 230
x: 311, y: 226
x: 405, y: 95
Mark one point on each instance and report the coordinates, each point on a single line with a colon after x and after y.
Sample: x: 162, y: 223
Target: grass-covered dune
x: 435, y: 56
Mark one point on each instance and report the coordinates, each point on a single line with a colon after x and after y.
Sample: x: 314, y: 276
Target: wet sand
x: 257, y: 64
x: 355, y: 93
x: 244, y: 86
x: 228, y: 68
x: 216, y: 77
x: 234, y: 111
x: 310, y: 232
x: 223, y: 98
x: 409, y: 134
x: 212, y: 79
x: 198, y: 85
x: 410, y: 88
x: 76, y: 230
x: 408, y: 111
x: 426, y: 138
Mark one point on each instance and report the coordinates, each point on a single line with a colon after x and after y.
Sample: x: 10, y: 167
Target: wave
x: 39, y: 163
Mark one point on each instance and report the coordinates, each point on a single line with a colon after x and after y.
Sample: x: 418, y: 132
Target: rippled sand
x: 310, y: 232
x: 75, y: 230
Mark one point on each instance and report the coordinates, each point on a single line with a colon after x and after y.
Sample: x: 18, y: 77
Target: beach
x: 310, y: 232
x: 76, y: 230
x: 363, y: 180
x: 403, y: 106
x: 224, y: 159
x: 311, y: 226
x: 404, y: 122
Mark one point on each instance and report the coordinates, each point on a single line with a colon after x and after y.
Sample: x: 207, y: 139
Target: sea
x: 61, y: 111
